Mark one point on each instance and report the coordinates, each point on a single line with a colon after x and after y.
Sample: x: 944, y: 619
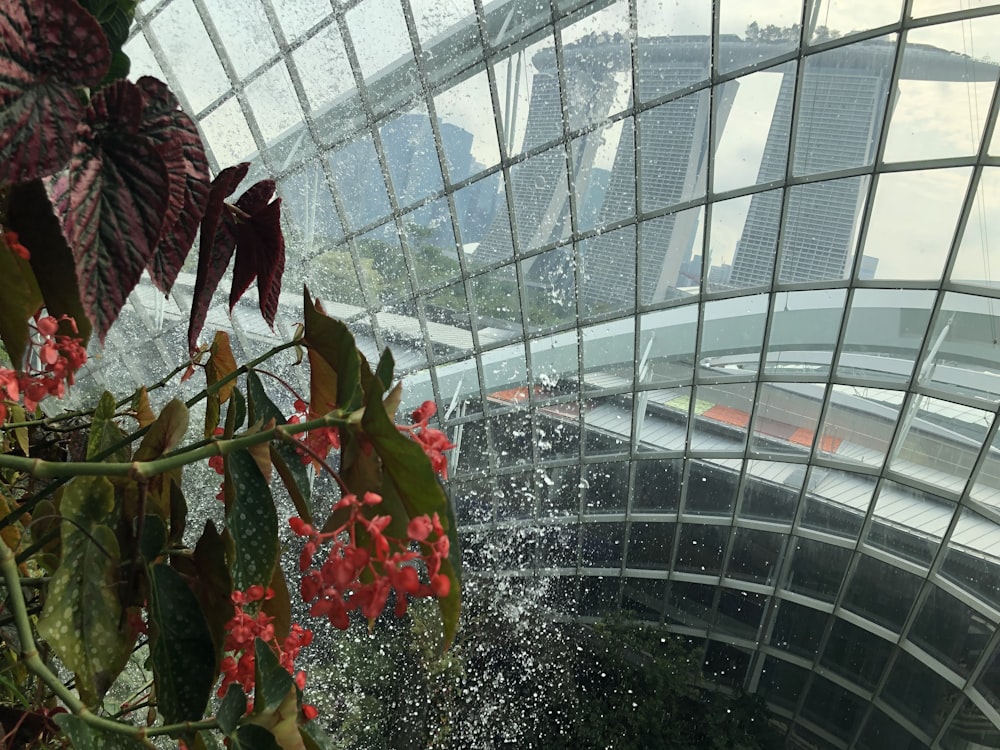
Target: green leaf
x: 315, y: 737
x: 285, y: 459
x: 386, y: 365
x: 408, y: 470
x: 178, y: 514
x: 181, y: 647
x: 87, y: 737
x: 20, y: 300
x: 253, y: 523
x: 238, y: 405
x: 213, y: 584
x: 154, y: 538
x: 233, y: 706
x: 29, y: 213
x: 338, y: 383
x: 165, y: 433
x: 272, y: 681
x: 206, y: 741
x: 252, y: 737
x: 105, y: 433
x: 82, y: 612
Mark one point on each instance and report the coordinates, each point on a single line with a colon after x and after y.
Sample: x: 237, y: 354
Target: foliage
x: 102, y: 179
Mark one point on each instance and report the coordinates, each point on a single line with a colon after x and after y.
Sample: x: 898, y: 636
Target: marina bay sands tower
x: 844, y: 95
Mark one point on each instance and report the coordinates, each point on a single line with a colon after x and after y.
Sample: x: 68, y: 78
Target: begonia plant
x: 101, y: 180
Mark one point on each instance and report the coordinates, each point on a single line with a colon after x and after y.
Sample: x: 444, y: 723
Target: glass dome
x: 706, y: 300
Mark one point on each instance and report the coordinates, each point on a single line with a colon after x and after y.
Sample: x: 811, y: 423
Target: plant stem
x: 144, y: 470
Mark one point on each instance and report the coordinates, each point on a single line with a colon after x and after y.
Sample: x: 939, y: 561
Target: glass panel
x: 511, y: 433
x: 657, y: 485
x: 883, y: 593
x: 325, y: 73
x: 711, y: 487
x: 755, y: 556
x: 650, y: 545
x: 673, y: 140
x: 939, y: 442
x: 837, y: 501
x: 742, y: 241
x: 959, y: 358
x: 601, y: 545
x: 604, y: 175
x: 431, y: 241
x: 332, y: 275
x: 245, y: 33
x: 515, y: 494
x: 690, y: 604
x: 473, y: 501
x: 608, y: 354
x: 496, y: 305
x: 843, y: 100
x: 530, y: 114
x: 308, y: 209
x: 382, y: 20
x: 986, y: 488
x: 766, y: 31
x: 643, y: 598
x: 821, y: 230
x: 989, y: 681
x: 670, y: 263
x: 661, y: 70
x: 550, y: 288
x: 786, y: 418
x: 408, y: 145
x: 974, y: 263
x: 468, y: 131
x: 608, y: 273
x: 434, y: 19
x: 781, y: 683
x: 918, y: 693
x: 943, y: 117
x: 560, y: 491
x: 663, y: 416
x: 597, y: 65
x: 834, y: 709
x: 504, y: 371
x: 885, y: 330
x: 666, y: 345
x: 227, y: 134
x: 771, y: 490
x: 143, y: 61
x: 298, y: 16
x: 599, y: 596
x: 721, y: 417
x: 553, y: 360
x: 605, y: 487
x: 558, y: 546
x: 739, y: 614
x: 917, y: 246
x: 817, y: 569
x: 359, y: 182
x: 752, y: 120
x: 859, y: 424
x: 379, y: 249
x: 951, y: 631
x: 799, y: 629
x: 804, y: 330
x: 733, y: 331
x: 193, y: 61
x: 700, y: 549
x: 970, y: 729
x: 835, y: 18
x: 481, y: 211
x: 274, y: 103
x: 856, y: 654
x: 541, y: 199
x: 909, y: 523
x: 973, y: 557
x: 881, y: 732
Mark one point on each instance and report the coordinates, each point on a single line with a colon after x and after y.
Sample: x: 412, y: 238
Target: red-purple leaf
x: 164, y: 122
x: 215, y: 250
x: 118, y: 192
x: 47, y: 50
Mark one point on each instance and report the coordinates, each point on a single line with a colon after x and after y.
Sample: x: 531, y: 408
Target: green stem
x: 29, y: 505
x: 144, y: 470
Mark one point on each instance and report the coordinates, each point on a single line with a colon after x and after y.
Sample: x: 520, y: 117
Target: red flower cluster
x: 335, y: 587
x: 434, y: 442
x: 319, y: 441
x: 241, y: 632
x: 53, y: 366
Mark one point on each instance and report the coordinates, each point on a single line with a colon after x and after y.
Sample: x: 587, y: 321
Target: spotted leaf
x: 253, y: 523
